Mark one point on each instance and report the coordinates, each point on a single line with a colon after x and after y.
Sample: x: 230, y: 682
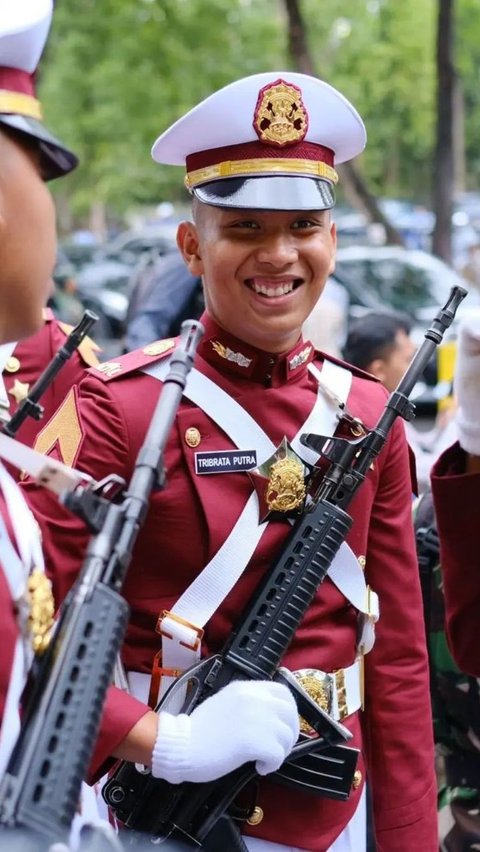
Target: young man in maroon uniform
x: 28, y: 156
x: 456, y: 491
x: 260, y: 157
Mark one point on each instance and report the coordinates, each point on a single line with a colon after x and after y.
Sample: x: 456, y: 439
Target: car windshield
x: 402, y: 284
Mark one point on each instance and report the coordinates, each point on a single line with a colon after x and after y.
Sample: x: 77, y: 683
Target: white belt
x: 339, y: 693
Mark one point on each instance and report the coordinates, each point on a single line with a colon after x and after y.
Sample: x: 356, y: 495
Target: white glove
x: 244, y: 721
x: 467, y: 385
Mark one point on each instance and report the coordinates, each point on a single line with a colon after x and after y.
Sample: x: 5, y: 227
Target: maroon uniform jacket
x: 456, y: 495
x: 28, y: 360
x: 30, y: 357
x: 188, y: 522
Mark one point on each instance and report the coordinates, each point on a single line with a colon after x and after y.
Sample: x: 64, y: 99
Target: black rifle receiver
x: 30, y: 406
x: 40, y: 790
x: 190, y: 812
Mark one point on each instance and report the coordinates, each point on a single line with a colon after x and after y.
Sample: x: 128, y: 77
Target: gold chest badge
x: 280, y: 117
x: 42, y: 610
x: 280, y: 482
x: 286, y: 485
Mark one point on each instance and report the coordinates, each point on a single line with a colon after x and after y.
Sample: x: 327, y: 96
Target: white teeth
x: 281, y: 290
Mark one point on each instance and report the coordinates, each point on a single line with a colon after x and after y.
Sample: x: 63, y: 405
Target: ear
x: 189, y: 245
x: 377, y: 369
x: 333, y: 237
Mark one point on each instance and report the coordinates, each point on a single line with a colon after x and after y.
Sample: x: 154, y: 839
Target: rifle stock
x: 40, y: 790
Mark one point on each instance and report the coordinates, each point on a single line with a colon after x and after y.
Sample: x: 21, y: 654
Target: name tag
x: 225, y: 461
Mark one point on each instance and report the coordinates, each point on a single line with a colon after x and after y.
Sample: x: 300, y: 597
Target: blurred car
x: 103, y: 286
x: 130, y: 246
x: 411, y: 281
x: 105, y: 271
x: 64, y: 299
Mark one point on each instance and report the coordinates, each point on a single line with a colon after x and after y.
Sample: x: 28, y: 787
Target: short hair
x: 373, y: 336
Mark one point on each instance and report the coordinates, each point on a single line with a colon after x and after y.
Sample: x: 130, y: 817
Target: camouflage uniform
x: 455, y: 702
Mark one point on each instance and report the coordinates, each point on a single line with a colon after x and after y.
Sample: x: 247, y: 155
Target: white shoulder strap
x: 16, y: 570
x: 181, y: 627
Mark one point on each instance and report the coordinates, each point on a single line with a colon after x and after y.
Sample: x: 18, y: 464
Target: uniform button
x: 271, y: 361
x: 362, y: 562
x: 192, y: 437
x: 268, y: 378
x: 12, y: 365
x: 357, y: 779
x: 256, y: 816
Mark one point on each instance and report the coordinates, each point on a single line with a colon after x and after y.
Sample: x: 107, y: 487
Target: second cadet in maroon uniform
x: 260, y: 156
x: 28, y: 153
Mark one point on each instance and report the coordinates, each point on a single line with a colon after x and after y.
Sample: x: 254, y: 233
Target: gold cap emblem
x: 158, y: 347
x: 12, y: 365
x: 192, y: 437
x: 280, y: 117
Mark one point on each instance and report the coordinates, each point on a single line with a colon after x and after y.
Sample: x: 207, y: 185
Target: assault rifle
x: 30, y: 406
x: 40, y: 791
x: 193, y: 813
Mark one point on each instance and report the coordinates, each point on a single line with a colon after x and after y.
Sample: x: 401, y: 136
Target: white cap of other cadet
x: 24, y: 27
x: 269, y: 141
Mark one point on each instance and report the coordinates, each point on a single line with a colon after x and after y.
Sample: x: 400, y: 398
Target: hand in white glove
x: 244, y: 721
x: 467, y: 385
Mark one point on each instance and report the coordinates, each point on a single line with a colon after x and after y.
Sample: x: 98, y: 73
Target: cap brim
x: 274, y: 192
x: 55, y: 159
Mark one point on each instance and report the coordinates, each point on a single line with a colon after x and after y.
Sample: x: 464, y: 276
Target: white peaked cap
x: 24, y: 27
x: 243, y: 145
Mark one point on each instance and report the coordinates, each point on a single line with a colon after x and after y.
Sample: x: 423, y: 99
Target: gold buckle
x: 198, y: 630
x: 319, y: 686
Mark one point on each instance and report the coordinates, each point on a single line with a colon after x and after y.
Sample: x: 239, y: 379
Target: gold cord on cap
x: 261, y: 166
x: 19, y: 103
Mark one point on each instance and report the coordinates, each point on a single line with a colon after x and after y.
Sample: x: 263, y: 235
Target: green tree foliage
x: 117, y: 72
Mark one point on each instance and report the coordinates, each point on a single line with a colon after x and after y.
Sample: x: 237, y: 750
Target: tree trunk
x: 443, y: 174
x: 355, y: 185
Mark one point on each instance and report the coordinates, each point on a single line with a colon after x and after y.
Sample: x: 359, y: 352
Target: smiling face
x: 263, y: 271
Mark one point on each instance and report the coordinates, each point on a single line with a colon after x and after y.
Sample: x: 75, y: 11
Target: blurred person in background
x: 164, y: 293
x: 471, y: 269
x: 380, y: 344
x: 456, y: 491
x: 327, y: 325
x: 455, y: 701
